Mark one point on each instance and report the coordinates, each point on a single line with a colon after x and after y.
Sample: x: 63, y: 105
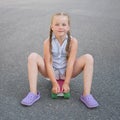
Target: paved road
x: 24, y: 24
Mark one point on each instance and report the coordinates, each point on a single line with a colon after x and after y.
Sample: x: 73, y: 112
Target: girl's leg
x: 35, y: 64
x: 85, y: 64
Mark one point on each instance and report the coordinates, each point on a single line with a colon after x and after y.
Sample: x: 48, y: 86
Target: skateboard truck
x: 61, y: 94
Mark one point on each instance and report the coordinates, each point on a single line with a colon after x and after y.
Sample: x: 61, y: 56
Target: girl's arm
x: 70, y: 63
x: 49, y: 68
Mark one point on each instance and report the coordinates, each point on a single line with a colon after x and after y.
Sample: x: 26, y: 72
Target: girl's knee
x: 32, y: 57
x: 89, y: 58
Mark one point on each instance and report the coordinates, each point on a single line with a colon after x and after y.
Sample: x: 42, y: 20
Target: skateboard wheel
x: 54, y: 96
x: 67, y: 95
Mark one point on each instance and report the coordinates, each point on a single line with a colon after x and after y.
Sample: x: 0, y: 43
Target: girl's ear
x: 68, y: 28
x: 51, y: 27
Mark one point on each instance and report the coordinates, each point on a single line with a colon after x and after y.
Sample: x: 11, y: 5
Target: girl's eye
x: 63, y: 24
x: 57, y: 24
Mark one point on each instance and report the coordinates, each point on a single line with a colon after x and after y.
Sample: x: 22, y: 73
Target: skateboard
x: 61, y: 94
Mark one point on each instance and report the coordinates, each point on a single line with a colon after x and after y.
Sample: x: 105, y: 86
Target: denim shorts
x: 59, y: 73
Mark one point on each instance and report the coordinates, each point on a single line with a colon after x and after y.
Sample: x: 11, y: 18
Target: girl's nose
x: 60, y: 26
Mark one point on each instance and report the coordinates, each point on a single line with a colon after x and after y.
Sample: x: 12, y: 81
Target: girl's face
x: 60, y: 25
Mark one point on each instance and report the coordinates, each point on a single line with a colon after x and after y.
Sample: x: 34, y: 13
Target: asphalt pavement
x: 24, y: 24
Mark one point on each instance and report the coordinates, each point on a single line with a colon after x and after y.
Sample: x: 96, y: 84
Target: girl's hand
x: 55, y: 88
x: 65, y: 88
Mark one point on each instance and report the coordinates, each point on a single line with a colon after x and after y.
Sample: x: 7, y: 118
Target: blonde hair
x: 68, y: 33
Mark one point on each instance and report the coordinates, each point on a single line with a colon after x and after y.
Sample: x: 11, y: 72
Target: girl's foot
x: 30, y: 99
x: 89, y: 101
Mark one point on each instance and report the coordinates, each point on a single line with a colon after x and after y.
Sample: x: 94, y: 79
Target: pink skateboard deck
x: 61, y: 94
x: 60, y: 82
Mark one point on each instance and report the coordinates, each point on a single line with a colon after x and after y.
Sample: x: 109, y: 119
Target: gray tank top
x: 59, y: 53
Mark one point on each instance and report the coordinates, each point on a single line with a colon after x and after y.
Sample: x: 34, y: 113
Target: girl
x: 60, y: 62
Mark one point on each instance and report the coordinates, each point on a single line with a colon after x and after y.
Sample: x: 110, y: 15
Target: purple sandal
x: 89, y: 101
x: 30, y: 99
